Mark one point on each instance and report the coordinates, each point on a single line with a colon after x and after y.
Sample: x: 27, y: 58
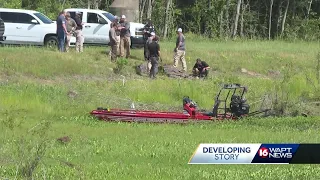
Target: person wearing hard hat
x: 180, y: 51
x: 125, y: 35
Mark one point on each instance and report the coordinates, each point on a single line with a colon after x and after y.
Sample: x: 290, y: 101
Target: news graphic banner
x: 256, y: 154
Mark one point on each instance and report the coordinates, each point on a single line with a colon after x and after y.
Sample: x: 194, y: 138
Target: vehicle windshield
x: 43, y: 18
x: 109, y: 16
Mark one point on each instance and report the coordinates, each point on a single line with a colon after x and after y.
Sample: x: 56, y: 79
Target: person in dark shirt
x: 79, y: 35
x: 148, y: 30
x: 154, y: 56
x: 200, y: 69
x: 62, y: 31
x: 78, y: 20
x: 146, y: 52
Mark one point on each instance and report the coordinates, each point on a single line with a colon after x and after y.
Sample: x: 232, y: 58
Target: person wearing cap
x: 200, y: 69
x: 154, y: 56
x: 180, y: 51
x: 79, y: 35
x: 71, y: 27
x: 113, y: 42
x: 125, y: 35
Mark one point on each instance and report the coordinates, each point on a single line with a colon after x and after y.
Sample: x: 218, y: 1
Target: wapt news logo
x: 275, y: 153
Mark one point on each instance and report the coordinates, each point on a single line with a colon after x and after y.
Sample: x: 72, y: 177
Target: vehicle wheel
x: 51, y: 42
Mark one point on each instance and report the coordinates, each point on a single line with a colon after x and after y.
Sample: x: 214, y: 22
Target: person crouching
x: 154, y: 56
x: 200, y: 69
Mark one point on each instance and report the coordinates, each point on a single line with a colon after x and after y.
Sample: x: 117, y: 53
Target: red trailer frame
x: 233, y: 112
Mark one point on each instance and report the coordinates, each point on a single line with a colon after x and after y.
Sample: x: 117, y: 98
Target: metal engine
x: 187, y: 100
x: 238, y: 106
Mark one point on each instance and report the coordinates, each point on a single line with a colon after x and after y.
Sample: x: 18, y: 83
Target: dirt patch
x: 166, y: 69
x: 72, y: 94
x: 173, y: 72
x: 142, y: 69
x: 64, y: 139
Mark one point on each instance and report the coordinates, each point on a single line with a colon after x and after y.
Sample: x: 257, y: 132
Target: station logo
x: 276, y: 153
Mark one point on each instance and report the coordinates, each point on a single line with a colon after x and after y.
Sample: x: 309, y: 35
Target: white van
x: 27, y: 27
x: 97, y: 25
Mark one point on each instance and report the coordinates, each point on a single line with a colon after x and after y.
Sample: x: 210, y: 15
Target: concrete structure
x: 130, y: 8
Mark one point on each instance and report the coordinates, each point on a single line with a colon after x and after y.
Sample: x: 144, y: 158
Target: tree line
x: 219, y: 19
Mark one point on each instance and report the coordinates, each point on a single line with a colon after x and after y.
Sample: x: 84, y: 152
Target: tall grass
x: 39, y: 85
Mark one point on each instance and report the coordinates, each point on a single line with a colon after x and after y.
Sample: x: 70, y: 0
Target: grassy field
x: 45, y: 95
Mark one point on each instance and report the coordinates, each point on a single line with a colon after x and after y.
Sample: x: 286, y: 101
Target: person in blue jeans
x: 62, y: 31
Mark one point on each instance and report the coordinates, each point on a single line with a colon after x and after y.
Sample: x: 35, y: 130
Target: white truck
x: 27, y: 27
x: 97, y: 25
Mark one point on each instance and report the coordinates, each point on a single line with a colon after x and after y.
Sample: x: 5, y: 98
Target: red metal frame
x: 191, y: 114
x: 156, y: 116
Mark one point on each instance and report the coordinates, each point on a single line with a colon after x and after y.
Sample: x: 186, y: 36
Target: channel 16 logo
x: 277, y: 153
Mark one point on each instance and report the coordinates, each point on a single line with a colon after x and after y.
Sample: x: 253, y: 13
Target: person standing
x: 180, y: 51
x: 113, y: 42
x: 79, y: 35
x: 61, y: 31
x: 125, y: 35
x: 147, y: 53
x: 154, y: 56
x: 118, y: 31
x: 71, y: 27
x: 116, y: 21
x: 148, y: 29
